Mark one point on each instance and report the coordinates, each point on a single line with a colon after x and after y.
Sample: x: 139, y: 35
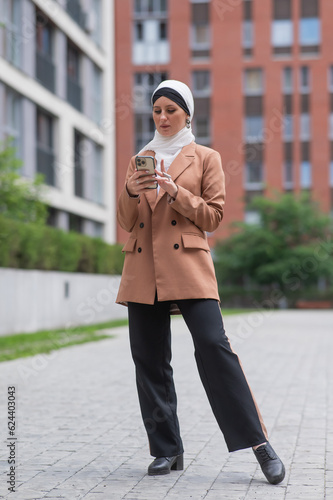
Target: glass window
x: 305, y: 178
x: 96, y: 21
x: 305, y: 126
x: 288, y: 127
x: 45, y: 146
x: 97, y: 95
x: 253, y: 82
x: 309, y: 31
x: 304, y: 79
x: 248, y: 34
x: 281, y: 9
x: 330, y: 126
x: 13, y: 118
x: 201, y: 83
x: 282, y: 33
x: 97, y: 166
x: 287, y: 80
x: 253, y: 128
x: 253, y: 173
x: 12, y: 31
x: 331, y: 174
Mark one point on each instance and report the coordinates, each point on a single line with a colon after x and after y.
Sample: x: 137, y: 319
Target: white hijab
x: 167, y: 148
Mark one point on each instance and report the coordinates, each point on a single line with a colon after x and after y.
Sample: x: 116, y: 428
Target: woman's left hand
x: 166, y: 183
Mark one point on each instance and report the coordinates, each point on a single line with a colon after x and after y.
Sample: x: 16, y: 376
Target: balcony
x: 74, y: 93
x: 45, y: 165
x: 45, y: 71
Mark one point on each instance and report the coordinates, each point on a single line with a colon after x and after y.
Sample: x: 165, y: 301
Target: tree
x: 291, y: 249
x: 20, y: 199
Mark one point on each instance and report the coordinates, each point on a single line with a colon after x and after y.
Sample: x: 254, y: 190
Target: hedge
x: 36, y: 246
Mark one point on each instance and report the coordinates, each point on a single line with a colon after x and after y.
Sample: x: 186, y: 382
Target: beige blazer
x: 167, y: 250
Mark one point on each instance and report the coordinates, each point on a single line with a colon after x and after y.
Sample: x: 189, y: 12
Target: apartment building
x: 261, y: 72
x: 57, y: 103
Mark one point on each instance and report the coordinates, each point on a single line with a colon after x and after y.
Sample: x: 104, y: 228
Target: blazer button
x: 139, y: 249
x: 173, y: 222
x: 176, y: 246
x: 141, y: 224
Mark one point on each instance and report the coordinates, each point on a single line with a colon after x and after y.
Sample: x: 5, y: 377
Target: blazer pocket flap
x: 129, y: 245
x: 191, y: 240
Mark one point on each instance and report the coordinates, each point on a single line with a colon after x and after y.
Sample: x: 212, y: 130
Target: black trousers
x: 220, y: 371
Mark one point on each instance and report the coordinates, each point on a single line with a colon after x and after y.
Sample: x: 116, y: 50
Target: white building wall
x: 66, y: 117
x: 36, y: 300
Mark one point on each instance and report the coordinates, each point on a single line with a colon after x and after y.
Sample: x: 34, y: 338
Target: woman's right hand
x: 138, y: 182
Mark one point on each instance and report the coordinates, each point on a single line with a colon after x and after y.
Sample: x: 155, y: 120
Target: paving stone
x: 80, y: 433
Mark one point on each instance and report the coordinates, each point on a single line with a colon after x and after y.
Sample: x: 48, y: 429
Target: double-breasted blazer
x: 167, y: 251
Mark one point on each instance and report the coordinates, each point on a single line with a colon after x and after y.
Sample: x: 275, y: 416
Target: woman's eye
x: 171, y: 110
x: 157, y: 112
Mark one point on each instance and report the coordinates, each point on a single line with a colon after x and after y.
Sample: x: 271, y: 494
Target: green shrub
x: 35, y: 246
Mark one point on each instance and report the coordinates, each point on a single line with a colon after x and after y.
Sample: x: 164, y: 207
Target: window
x: 150, y: 32
x: 95, y: 18
x: 45, y: 146
x: 288, y: 165
x: 74, y: 9
x: 282, y: 34
x: 144, y: 127
x: 288, y: 127
x: 253, y: 166
x: 253, y: 82
x: 201, y: 83
x: 287, y: 80
x: 45, y: 70
x: 309, y: 27
x: 79, y: 177
x: 74, y: 90
x: 304, y: 79
x: 97, y: 94
x: 12, y: 118
x: 305, y: 177
x: 282, y: 27
x: 12, y: 38
x: 150, y: 6
x: 330, y: 78
x: 305, y: 126
x: 97, y: 166
x: 200, y: 30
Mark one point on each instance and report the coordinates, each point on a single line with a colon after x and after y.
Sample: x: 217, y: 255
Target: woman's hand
x: 165, y: 181
x: 139, y: 181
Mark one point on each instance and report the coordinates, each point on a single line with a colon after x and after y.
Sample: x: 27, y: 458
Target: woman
x: 168, y: 268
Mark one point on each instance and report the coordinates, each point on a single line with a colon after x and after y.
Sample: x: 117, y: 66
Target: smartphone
x: 146, y: 163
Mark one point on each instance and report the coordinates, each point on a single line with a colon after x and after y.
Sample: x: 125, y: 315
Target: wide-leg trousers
x: 219, y: 368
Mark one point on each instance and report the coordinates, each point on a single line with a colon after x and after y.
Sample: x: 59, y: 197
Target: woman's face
x: 169, y: 118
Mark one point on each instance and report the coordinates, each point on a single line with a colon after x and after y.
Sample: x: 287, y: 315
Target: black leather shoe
x: 163, y: 465
x: 270, y: 463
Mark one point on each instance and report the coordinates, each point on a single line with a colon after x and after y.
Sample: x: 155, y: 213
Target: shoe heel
x: 179, y: 463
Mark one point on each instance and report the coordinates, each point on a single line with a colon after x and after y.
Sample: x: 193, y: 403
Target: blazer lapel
x: 182, y: 161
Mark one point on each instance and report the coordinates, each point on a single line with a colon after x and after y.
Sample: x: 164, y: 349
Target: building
x: 262, y: 76
x: 57, y: 101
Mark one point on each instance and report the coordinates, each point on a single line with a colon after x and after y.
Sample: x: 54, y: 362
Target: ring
x: 137, y: 182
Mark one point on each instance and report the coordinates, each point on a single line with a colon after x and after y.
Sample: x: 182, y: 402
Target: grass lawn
x: 21, y: 345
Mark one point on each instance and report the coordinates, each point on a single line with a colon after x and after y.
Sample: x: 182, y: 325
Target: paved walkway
x: 79, y: 432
